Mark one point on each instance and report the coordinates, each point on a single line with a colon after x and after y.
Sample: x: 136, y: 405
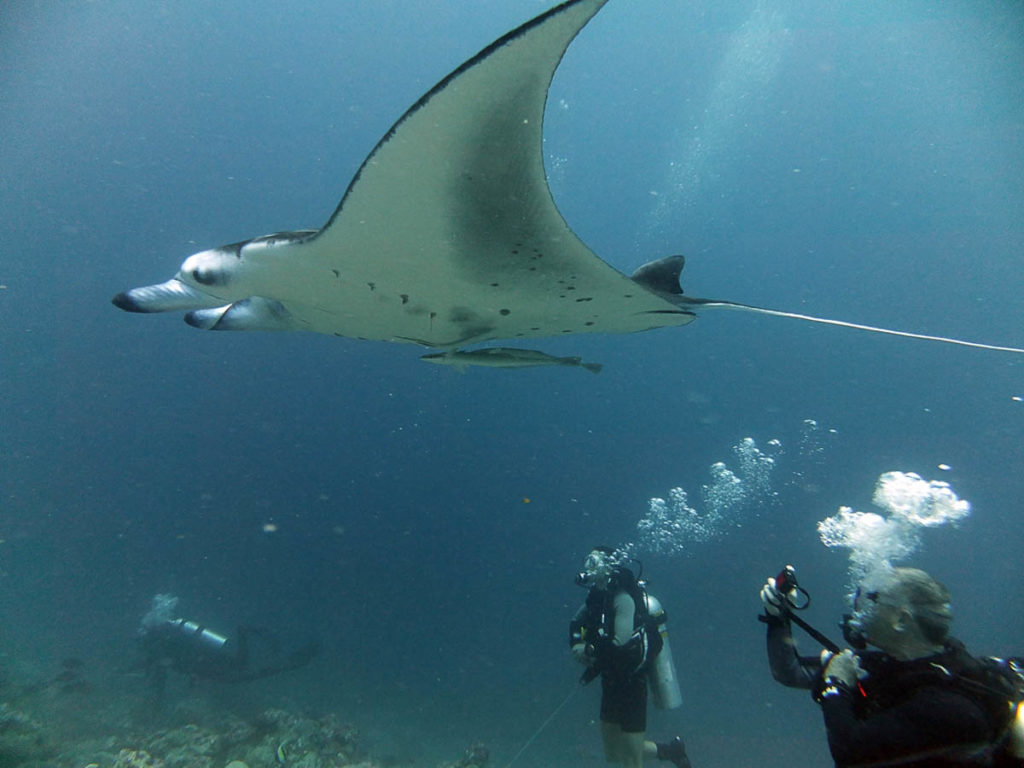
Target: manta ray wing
x: 448, y: 233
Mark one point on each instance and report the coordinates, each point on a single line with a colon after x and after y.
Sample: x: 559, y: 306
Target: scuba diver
x: 921, y: 699
x: 169, y: 642
x: 619, y: 634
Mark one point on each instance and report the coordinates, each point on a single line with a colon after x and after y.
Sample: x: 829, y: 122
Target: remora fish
x: 504, y: 357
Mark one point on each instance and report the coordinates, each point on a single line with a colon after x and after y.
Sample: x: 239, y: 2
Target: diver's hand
x: 775, y: 603
x: 843, y: 668
x: 581, y: 653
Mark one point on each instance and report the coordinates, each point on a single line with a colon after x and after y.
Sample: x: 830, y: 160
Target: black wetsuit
x: 613, y: 622
x: 905, y: 713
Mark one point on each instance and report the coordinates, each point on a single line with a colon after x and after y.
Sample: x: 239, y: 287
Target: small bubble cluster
x: 671, y: 526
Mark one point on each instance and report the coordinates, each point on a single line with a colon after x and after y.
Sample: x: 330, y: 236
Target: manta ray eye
x: 207, y: 276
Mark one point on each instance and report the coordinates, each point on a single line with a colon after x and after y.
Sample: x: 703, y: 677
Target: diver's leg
x: 632, y: 750
x: 156, y: 677
x: 242, y: 649
x: 612, y: 737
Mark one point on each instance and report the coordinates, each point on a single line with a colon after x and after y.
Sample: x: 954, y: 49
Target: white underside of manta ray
x: 448, y: 234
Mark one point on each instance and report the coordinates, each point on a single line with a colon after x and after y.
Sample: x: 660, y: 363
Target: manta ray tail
x: 714, y: 304
x: 662, y: 277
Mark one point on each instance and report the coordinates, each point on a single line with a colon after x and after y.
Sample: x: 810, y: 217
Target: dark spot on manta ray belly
x: 504, y: 311
x: 404, y: 297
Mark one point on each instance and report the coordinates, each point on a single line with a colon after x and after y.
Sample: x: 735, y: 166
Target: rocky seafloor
x: 66, y: 723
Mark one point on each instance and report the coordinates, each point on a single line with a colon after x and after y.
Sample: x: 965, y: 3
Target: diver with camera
x: 619, y: 634
x: 919, y: 700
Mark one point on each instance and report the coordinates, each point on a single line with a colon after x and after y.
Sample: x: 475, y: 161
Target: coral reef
x: 135, y: 758
x: 22, y: 739
x: 47, y: 726
x: 477, y: 756
x: 272, y: 739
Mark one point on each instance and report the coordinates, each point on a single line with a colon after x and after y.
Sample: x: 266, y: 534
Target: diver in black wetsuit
x: 193, y: 650
x: 613, y: 636
x: 921, y: 700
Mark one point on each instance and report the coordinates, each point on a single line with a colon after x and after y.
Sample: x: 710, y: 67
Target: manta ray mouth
x: 165, y: 297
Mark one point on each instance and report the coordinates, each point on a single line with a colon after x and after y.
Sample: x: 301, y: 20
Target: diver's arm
x: 625, y: 609
x: 788, y: 667
x: 934, y: 723
x: 623, y: 652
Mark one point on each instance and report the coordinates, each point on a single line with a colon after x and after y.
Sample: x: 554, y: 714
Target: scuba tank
x: 198, y: 635
x: 1015, y: 742
x: 661, y: 672
x: 1015, y: 731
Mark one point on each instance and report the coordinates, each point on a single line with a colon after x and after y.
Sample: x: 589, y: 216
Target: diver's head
x: 163, y: 610
x: 903, y: 611
x: 598, y: 568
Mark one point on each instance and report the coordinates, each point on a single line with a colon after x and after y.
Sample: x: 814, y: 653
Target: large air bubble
x: 877, y: 541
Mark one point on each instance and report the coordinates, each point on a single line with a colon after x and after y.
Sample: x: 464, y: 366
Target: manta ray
x: 448, y: 234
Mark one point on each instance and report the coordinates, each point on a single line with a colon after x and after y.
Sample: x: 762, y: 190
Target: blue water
x: 858, y: 162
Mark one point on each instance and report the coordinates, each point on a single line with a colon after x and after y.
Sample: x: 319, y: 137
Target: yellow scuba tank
x: 1015, y: 739
x: 661, y: 673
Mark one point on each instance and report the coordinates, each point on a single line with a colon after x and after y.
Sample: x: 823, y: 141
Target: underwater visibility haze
x: 423, y: 527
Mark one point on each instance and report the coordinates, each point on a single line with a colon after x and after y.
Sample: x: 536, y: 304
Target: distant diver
x: 191, y: 649
x: 619, y: 634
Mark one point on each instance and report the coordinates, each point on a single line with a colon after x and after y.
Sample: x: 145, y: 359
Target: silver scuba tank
x: 661, y: 674
x: 199, y: 635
